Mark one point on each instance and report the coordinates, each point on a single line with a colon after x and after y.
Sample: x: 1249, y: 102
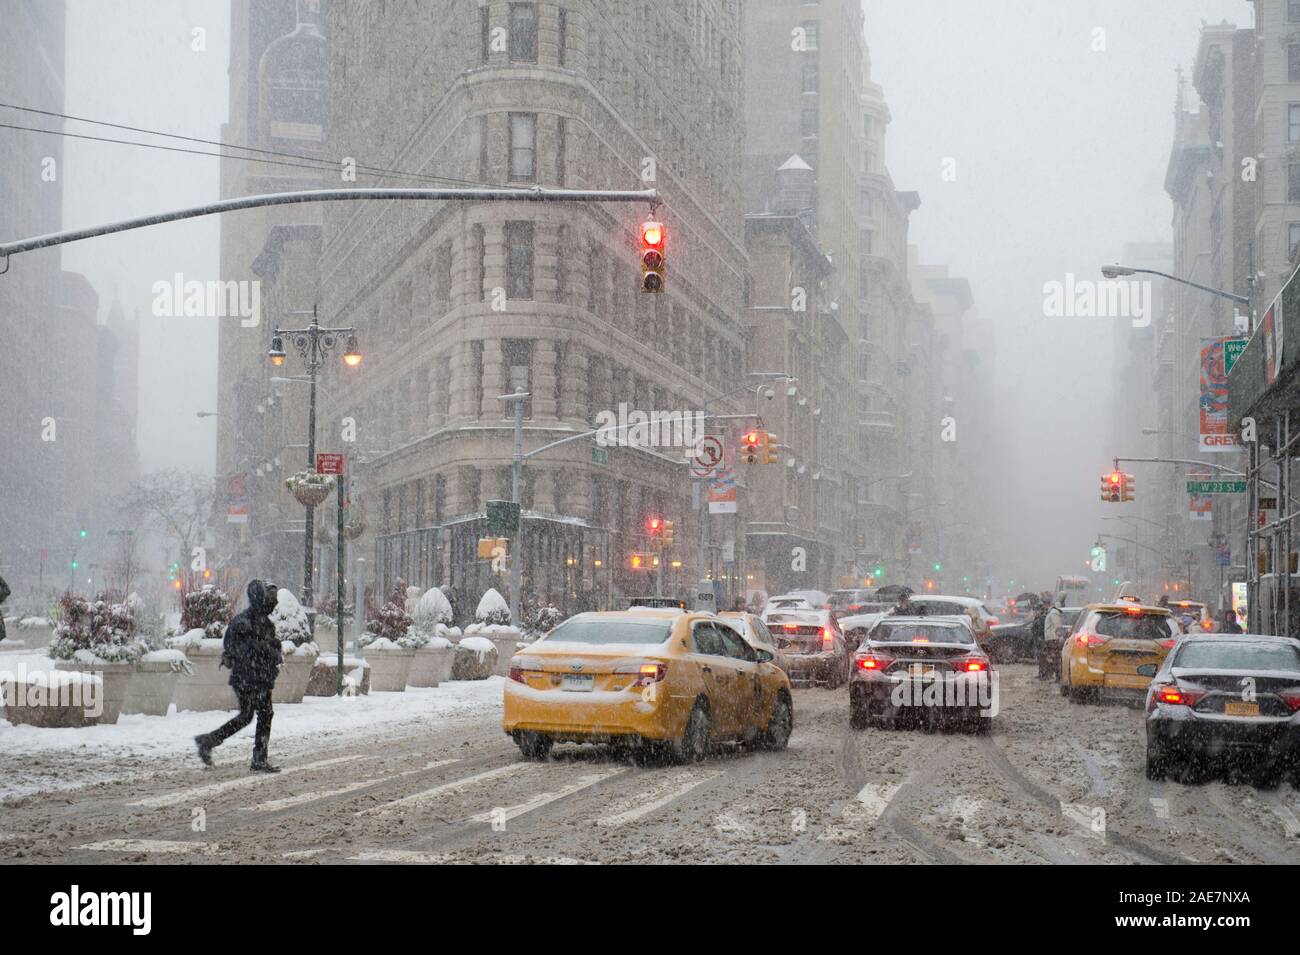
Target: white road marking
x: 505, y: 814
x: 288, y: 802
x: 454, y: 786
x: 215, y: 789
x: 302, y: 853
x: 654, y: 798
x: 863, y: 811
x: 165, y: 846
x: 410, y: 856
x: 729, y: 823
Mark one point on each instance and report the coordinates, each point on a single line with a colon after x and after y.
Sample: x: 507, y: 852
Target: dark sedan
x: 1229, y: 699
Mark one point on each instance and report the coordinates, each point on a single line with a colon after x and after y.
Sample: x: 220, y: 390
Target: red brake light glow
x: 869, y: 663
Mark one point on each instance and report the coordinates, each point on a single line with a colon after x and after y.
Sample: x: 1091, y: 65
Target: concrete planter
x: 389, y: 669
x: 208, y: 687
x: 116, y: 678
x: 476, y: 659
x: 432, y: 665
x: 53, y: 699
x: 295, y: 674
x: 32, y: 637
x: 507, y: 646
x: 152, y: 687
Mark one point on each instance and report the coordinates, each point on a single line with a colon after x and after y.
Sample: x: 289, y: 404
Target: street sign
x: 706, y: 456
x: 1232, y: 349
x: 1268, y: 504
x: 329, y: 464
x: 599, y: 455
x: 1216, y: 487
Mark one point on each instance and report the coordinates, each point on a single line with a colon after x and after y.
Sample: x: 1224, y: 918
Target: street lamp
x: 207, y: 414
x: 313, y: 343
x: 1118, y: 271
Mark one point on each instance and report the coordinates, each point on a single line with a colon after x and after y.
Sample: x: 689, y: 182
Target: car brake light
x: 1176, y: 696
x: 1168, y: 644
x: 828, y: 638
x: 971, y: 666
x: 517, y: 673
x: 1089, y: 639
x: 870, y: 663
x: 1292, y: 700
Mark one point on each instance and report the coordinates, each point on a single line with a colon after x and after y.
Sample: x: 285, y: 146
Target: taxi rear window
x: 639, y: 632
x: 1134, y: 626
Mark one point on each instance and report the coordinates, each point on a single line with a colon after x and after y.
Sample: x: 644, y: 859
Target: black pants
x: 251, y: 703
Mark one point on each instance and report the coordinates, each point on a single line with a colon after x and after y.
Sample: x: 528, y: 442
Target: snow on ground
x: 35, y: 759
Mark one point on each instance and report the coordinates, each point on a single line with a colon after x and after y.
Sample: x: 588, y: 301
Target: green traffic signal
x: 83, y: 532
x: 937, y: 566
x: 74, y: 565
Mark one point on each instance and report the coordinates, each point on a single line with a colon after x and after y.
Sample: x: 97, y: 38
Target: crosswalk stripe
x: 865, y: 808
x: 215, y: 789
x: 505, y: 814
x: 165, y: 846
x: 454, y: 786
x: 288, y: 802
x: 655, y: 798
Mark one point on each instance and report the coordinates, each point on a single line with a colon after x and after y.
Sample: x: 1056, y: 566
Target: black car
x: 1225, y: 698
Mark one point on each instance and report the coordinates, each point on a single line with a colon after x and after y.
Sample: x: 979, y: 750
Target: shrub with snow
x: 543, y: 621
x: 208, y: 609
x: 95, y: 632
x: 493, y: 609
x: 290, y: 619
x: 431, y: 610
x: 392, y: 624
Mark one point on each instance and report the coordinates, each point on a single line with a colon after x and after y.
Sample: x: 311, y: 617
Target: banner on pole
x: 1216, y: 432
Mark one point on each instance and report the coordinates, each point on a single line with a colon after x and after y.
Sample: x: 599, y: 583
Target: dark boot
x: 205, y: 749
x: 263, y: 767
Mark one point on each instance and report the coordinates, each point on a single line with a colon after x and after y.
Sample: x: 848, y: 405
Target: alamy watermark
x: 626, y: 428
x: 52, y: 688
x: 178, y: 298
x: 1098, y: 298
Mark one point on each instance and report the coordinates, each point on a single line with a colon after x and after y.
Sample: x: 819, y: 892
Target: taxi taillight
x: 646, y: 673
x: 828, y: 638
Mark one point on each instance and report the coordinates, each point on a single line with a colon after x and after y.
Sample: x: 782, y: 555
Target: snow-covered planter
x: 207, y: 686
x: 295, y: 672
x: 98, y: 637
x: 324, y: 676
x: 208, y: 610
x: 432, y: 663
x: 310, y: 488
x: 34, y: 631
x: 154, y: 683
x: 476, y: 659
x: 390, y: 664
x: 54, y: 698
x: 493, y: 623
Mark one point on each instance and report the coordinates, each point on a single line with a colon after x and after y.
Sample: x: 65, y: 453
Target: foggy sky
x: 1060, y: 151
x: 1061, y: 155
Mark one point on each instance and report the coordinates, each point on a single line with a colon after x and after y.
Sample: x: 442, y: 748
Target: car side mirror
x: 765, y: 657
x: 1147, y: 670
x: 853, y: 640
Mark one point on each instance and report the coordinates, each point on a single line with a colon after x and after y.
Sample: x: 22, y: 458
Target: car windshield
x: 1239, y: 655
x: 597, y: 631
x: 920, y: 633
x: 1135, y: 626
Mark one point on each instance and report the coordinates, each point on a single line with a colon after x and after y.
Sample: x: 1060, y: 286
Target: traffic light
x: 668, y: 533
x: 750, y: 442
x: 938, y: 567
x: 82, y: 532
x: 653, y: 241
x: 878, y: 571
x: 654, y: 525
x: 1110, y: 487
x: 74, y: 563
x: 770, y: 451
x: 639, y: 561
x: 1127, y: 487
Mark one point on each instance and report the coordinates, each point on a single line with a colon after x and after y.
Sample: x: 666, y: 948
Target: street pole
x: 310, y: 521
x: 516, y: 476
x: 338, y: 583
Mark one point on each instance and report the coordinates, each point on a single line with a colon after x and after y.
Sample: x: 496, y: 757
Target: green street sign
x: 599, y: 456
x: 1216, y: 487
x: 1232, y: 349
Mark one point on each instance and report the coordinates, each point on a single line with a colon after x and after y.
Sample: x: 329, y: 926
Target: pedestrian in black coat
x: 252, y: 652
x: 4, y: 595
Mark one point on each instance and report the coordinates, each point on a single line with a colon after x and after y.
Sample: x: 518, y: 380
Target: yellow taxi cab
x: 1109, y: 646
x: 667, y: 682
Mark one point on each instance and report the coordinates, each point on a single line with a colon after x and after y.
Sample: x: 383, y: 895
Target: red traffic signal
x: 653, y: 242
x: 750, y: 442
x: 653, y: 525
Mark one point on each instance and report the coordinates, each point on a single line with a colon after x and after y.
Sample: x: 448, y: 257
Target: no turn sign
x: 706, y: 456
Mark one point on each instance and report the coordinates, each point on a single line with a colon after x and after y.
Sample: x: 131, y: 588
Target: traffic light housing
x: 653, y: 244
x: 771, y: 453
x: 1127, y: 487
x: 639, y: 561
x: 1111, y: 487
x: 668, y: 533
x: 750, y: 444
x: 654, y: 525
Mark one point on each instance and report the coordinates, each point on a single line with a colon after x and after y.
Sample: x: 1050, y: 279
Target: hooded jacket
x: 250, y: 647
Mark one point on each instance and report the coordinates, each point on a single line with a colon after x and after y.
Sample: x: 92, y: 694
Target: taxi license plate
x: 921, y: 669
x: 1238, y: 708
x: 583, y: 684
